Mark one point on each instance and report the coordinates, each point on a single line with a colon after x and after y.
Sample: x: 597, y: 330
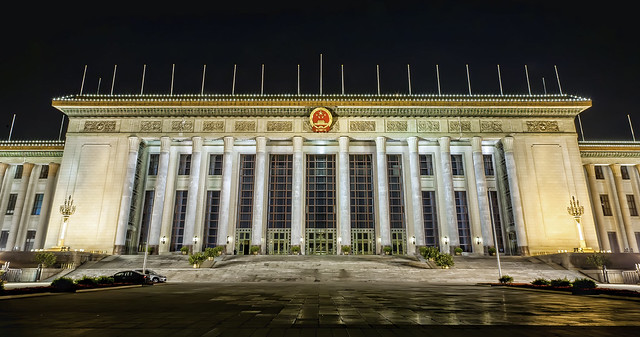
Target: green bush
x: 346, y: 249
x: 87, y: 280
x: 597, y: 260
x: 1, y: 286
x: 491, y: 250
x: 444, y: 260
x: 506, y: 279
x: 209, y: 252
x: 184, y: 249
x: 541, y: 282
x: 430, y: 252
x: 387, y: 249
x: 560, y: 282
x: 458, y: 250
x: 63, y: 284
x: 295, y: 249
x: 104, y: 280
x: 46, y: 259
x: 197, y: 258
x: 584, y: 283
x: 254, y: 250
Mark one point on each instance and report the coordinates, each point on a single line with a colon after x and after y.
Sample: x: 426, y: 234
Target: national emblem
x: 320, y: 120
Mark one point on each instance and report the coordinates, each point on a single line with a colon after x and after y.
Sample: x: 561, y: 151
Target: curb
x: 10, y: 297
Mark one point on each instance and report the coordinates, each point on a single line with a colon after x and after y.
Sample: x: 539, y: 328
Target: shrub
x: 197, y: 258
x: 505, y: 279
x: 491, y: 251
x: 541, y: 282
x: 254, y: 250
x: 46, y: 259
x: 597, y: 260
x: 295, y: 249
x: 104, y: 280
x: 63, y: 284
x: 430, y: 252
x: 458, y: 250
x: 387, y: 249
x: 1, y: 286
x: 210, y: 252
x: 86, y: 280
x: 346, y: 249
x: 561, y: 282
x: 584, y: 283
x: 444, y: 260
x: 184, y: 249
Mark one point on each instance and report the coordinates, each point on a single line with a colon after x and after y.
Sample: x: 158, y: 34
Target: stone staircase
x: 303, y: 268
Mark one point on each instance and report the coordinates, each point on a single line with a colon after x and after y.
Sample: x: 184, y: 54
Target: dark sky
x: 45, y: 48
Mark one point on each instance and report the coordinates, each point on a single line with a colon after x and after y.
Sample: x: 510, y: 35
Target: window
x: 147, y: 209
x: 457, y: 168
x: 179, y: 219
x: 606, y: 207
x: 12, y: 203
x: 599, y: 174
x: 613, y: 242
x: 184, y: 166
x: 280, y: 189
x: 464, y: 231
x: 215, y: 164
x: 431, y: 236
x: 497, y: 222
x: 211, y: 220
x: 18, y: 174
x: 321, y: 191
x: 362, y: 215
x: 44, y: 172
x: 624, y: 171
x: 29, y: 241
x: 426, y: 165
x: 488, y: 165
x: 396, y: 195
x: 37, y: 204
x: 4, y: 237
x: 631, y: 202
x: 154, y: 159
x: 245, y: 191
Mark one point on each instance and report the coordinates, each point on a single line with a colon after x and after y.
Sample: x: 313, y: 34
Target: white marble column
x: 516, y: 201
x: 45, y: 210
x: 297, y: 227
x: 603, y: 239
x: 483, y: 198
x: 17, y: 212
x: 192, y: 194
x: 159, y: 194
x: 450, y: 228
x: 416, y: 191
x: 344, y: 188
x: 383, y: 191
x: 225, y: 192
x: 3, y: 170
x: 628, y: 236
x: 125, y: 200
x: 3, y: 201
x: 257, y: 226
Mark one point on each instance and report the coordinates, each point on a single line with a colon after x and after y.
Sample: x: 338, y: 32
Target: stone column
x: 45, y: 210
x: 383, y: 191
x: 597, y: 208
x: 225, y: 192
x: 297, y: 228
x: 125, y: 201
x: 450, y: 229
x: 20, y: 201
x: 3, y: 170
x: 628, y: 236
x: 516, y: 202
x: 416, y: 191
x: 192, y: 194
x: 344, y: 188
x: 3, y: 201
x: 486, y: 222
x: 257, y: 226
x: 159, y: 194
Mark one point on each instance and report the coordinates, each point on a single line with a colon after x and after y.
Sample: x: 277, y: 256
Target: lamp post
x: 495, y: 237
x: 67, y: 209
x: 576, y: 211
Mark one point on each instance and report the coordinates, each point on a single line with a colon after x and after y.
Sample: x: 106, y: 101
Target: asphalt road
x: 318, y: 309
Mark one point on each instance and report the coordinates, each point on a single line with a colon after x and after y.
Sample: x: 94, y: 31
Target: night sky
x: 45, y: 48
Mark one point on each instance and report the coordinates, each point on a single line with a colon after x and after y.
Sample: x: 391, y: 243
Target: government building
x: 318, y: 173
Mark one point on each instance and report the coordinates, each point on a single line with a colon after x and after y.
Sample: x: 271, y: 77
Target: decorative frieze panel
x: 151, y: 126
x: 245, y: 126
x: 99, y: 126
x: 428, y: 126
x: 396, y: 126
x: 490, y: 126
x: 279, y: 126
x: 182, y: 126
x: 459, y: 126
x: 542, y: 126
x: 362, y: 126
x: 213, y: 126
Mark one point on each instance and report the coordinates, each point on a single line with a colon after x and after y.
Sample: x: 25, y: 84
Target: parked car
x: 131, y: 276
x: 153, y: 276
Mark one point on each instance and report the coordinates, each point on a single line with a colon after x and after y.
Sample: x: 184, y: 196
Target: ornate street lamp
x: 576, y: 211
x: 67, y: 209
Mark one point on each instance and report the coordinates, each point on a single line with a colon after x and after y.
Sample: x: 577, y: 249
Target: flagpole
x: 558, y: 78
x: 378, y: 76
x: 144, y: 71
x: 173, y: 71
x: 544, y: 85
x: 409, y: 78
x: 84, y: 74
x: 204, y: 71
x: 468, y: 80
x: 630, y: 126
x: 342, y: 77
x: 526, y: 72
x: 61, y: 125
x: 99, y: 80
x: 500, y: 81
x: 12, y: 122
x: 298, y: 80
x: 321, y: 74
x: 438, y: 78
x: 581, y: 131
x: 262, y: 80
x: 233, y: 83
x: 495, y: 237
x: 113, y: 80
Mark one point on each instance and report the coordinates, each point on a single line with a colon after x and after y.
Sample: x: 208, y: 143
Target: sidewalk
x: 16, y: 285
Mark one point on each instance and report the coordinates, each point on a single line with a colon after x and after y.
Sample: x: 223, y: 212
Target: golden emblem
x: 320, y: 120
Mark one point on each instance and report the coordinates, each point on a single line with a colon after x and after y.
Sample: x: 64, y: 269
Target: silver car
x: 153, y: 276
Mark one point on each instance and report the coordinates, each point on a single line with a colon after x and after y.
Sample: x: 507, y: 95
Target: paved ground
x: 318, y: 309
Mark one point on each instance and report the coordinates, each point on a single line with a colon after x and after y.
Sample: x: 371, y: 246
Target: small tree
x: 505, y: 279
x: 387, y: 250
x: 430, y: 253
x: 599, y: 261
x: 295, y: 250
x: 444, y: 260
x: 255, y: 250
x: 458, y: 250
x: 46, y: 259
x: 197, y: 259
x: 346, y: 249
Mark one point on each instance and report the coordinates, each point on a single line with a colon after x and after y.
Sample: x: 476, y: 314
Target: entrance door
x: 398, y: 242
x: 363, y: 241
x: 320, y: 241
x: 243, y: 242
x: 279, y: 241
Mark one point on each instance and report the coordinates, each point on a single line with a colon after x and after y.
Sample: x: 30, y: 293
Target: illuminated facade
x: 275, y: 171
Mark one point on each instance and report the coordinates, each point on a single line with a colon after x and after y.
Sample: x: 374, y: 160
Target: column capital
x: 615, y: 169
x: 297, y: 144
x: 344, y: 144
x: 196, y: 144
x: 507, y: 144
x: 228, y: 144
x: 445, y: 144
x: 261, y: 144
x: 381, y: 143
x: 26, y: 168
x: 134, y: 143
x: 53, y: 168
x: 412, y: 142
x: 476, y: 144
x: 165, y: 144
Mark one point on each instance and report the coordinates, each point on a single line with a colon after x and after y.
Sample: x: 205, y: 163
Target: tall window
x: 606, y: 206
x: 154, y: 159
x: 44, y: 172
x: 457, y: 167
x: 215, y: 164
x: 430, y: 218
x: 211, y: 220
x: 146, y: 219
x: 613, y: 242
x: 18, y: 174
x: 29, y: 240
x: 497, y: 223
x: 396, y: 195
x: 12, y: 203
x: 426, y: 165
x: 598, y: 171
x: 362, y: 215
x: 624, y: 171
x: 488, y: 165
x: 280, y: 175
x: 245, y: 192
x: 631, y: 202
x: 37, y: 204
x: 464, y: 231
x: 184, y: 166
x: 321, y: 189
x: 4, y: 237
x: 179, y: 218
